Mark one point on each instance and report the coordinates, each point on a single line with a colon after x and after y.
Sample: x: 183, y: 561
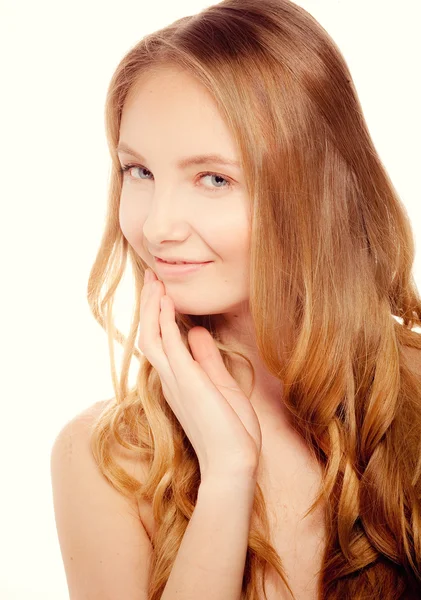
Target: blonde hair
x: 331, y: 253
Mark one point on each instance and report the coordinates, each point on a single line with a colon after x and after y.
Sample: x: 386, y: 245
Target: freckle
x: 71, y: 558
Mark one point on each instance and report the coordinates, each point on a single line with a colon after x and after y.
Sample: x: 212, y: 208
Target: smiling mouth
x: 180, y: 262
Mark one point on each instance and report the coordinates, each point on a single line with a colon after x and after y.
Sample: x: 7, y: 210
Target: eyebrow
x: 198, y: 159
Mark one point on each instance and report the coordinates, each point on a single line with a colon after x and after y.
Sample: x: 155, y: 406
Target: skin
x: 173, y: 212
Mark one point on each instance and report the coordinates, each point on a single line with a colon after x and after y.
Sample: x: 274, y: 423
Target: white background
x: 56, y: 62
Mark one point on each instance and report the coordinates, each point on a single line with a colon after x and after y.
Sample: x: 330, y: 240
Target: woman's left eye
x: 126, y: 169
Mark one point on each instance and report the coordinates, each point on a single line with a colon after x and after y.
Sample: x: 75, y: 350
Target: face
x: 177, y: 211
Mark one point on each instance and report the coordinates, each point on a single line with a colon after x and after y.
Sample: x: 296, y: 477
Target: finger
x: 178, y: 355
x: 206, y: 353
x: 150, y: 334
x: 144, y: 295
x: 208, y: 356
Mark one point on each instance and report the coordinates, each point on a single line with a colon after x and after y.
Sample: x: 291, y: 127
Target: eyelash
x: 126, y: 168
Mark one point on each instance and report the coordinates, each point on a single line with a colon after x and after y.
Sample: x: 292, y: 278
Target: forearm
x: 211, y: 558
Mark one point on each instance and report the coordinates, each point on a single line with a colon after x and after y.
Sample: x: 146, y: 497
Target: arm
x: 105, y: 549
x: 211, y: 559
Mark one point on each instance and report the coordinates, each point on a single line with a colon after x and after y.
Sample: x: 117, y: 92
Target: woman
x: 238, y: 142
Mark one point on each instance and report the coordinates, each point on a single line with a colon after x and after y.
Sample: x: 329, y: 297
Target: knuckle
x: 144, y: 347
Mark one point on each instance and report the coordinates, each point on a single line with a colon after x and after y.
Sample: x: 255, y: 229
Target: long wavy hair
x: 331, y: 260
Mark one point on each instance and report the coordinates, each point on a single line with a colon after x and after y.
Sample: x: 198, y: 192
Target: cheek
x: 229, y: 235
x: 131, y: 223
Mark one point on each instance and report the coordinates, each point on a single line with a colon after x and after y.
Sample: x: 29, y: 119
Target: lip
x: 169, y: 270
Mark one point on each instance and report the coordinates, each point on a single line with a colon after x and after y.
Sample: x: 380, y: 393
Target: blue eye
x: 126, y: 169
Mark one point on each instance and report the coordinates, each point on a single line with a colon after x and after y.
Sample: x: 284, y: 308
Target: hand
x: 215, y: 414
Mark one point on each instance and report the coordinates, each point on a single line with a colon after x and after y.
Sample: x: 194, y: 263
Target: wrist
x: 224, y: 482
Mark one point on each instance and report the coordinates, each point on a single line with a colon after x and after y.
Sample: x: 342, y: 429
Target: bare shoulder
x: 105, y: 548
x: 81, y: 423
x: 79, y: 429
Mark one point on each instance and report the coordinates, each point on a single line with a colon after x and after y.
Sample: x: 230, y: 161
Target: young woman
x: 274, y: 432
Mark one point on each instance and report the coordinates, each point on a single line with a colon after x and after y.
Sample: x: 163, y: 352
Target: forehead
x: 169, y: 109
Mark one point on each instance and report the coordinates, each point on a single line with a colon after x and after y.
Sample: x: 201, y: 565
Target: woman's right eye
x: 126, y: 168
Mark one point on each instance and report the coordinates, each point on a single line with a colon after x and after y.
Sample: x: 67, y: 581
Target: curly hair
x: 332, y: 251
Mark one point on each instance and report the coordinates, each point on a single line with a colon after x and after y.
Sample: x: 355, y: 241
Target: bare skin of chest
x: 289, y: 486
x: 298, y: 540
x: 290, y: 481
